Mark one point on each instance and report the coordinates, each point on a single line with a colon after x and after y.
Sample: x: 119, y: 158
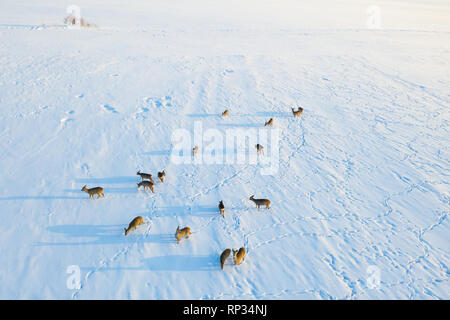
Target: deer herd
x: 148, y: 183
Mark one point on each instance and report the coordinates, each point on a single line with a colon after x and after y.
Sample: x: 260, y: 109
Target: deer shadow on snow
x: 106, y: 190
x: 104, y: 234
x: 42, y: 197
x: 108, y: 180
x: 197, y: 210
x: 100, y: 182
x: 158, y: 153
x: 182, y: 263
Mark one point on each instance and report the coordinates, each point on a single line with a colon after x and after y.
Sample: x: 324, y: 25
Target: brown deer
x: 298, y: 112
x: 238, y: 255
x: 225, y: 113
x: 145, y: 175
x: 185, y: 232
x: 261, y: 202
x: 97, y: 190
x: 147, y: 185
x: 222, y: 208
x: 269, y: 123
x: 161, y: 175
x: 224, y: 256
x: 134, y: 224
x: 194, y: 150
x: 259, y: 148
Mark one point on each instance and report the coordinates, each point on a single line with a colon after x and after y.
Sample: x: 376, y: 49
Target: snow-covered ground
x: 361, y: 193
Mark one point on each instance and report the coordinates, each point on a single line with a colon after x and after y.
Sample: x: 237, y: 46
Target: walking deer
x: 298, y: 112
x: 269, y: 123
x: 97, y: 190
x: 238, y: 255
x: 134, y: 224
x: 161, y: 175
x: 185, y: 232
x: 194, y: 150
x: 259, y: 148
x: 147, y: 185
x: 224, y: 256
x: 145, y: 175
x: 261, y: 202
x: 222, y: 208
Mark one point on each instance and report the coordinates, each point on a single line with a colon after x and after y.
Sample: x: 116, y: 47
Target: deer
x: 259, y: 148
x: 238, y: 255
x: 161, y: 175
x: 225, y: 113
x: 144, y: 175
x: 269, y: 123
x: 97, y: 190
x: 134, y: 224
x: 224, y: 256
x: 194, y: 150
x: 185, y: 232
x: 298, y: 112
x: 147, y: 185
x: 222, y: 208
x: 261, y: 202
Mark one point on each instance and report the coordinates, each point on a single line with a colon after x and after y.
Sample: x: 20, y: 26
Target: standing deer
x: 147, y: 185
x: 224, y: 256
x: 222, y: 208
x: 161, y: 175
x: 269, y: 123
x: 225, y: 113
x: 259, y: 148
x: 134, y: 224
x: 194, y: 150
x: 261, y: 202
x: 97, y: 190
x: 185, y: 232
x: 238, y: 255
x: 298, y: 112
x: 144, y: 175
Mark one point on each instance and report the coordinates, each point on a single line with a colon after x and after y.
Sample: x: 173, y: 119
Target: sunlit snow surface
x: 360, y: 202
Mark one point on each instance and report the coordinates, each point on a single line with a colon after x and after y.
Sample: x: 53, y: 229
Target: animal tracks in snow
x: 163, y: 102
x: 108, y: 108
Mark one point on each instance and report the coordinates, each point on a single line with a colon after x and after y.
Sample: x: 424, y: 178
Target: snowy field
x: 360, y: 194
